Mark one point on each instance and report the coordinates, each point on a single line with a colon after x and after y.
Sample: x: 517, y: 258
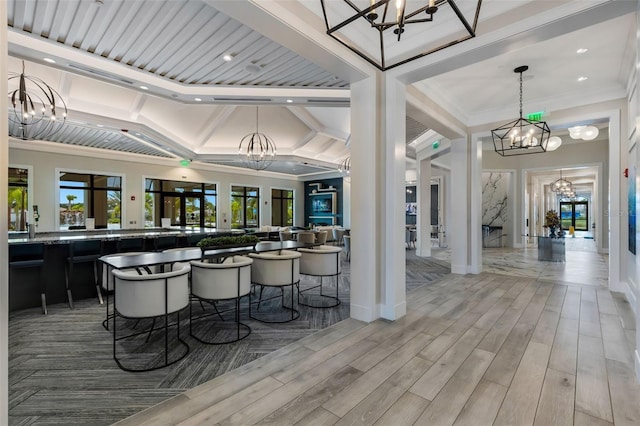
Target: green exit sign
x: 535, y: 116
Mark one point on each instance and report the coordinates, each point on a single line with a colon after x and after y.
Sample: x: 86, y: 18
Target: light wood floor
x: 472, y: 350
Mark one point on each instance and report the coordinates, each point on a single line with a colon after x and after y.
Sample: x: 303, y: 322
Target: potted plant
x: 209, y: 243
x: 552, y: 221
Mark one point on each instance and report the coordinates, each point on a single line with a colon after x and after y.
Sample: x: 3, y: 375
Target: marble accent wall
x: 495, y: 189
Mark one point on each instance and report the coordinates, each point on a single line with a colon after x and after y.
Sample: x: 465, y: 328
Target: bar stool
x: 83, y: 252
x: 30, y: 255
x: 130, y: 244
x: 165, y: 242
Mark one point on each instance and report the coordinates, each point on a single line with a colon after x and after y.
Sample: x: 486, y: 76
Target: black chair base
x: 335, y: 300
x: 295, y: 314
x: 240, y: 325
x: 168, y: 360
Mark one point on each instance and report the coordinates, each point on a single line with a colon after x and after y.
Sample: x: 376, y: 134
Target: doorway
x: 574, y: 213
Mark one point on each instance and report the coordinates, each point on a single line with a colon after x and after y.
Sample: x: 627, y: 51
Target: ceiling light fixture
x: 581, y: 51
x: 385, y: 15
x: 582, y: 78
x: 144, y: 87
x: 586, y: 133
x: 256, y: 149
x: 27, y: 123
x: 49, y: 60
x: 554, y: 143
x: 227, y: 57
x: 345, y: 169
x: 197, y: 99
x: 561, y: 186
x: 522, y: 136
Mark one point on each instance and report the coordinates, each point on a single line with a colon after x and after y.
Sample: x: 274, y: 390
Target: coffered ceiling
x: 152, y: 72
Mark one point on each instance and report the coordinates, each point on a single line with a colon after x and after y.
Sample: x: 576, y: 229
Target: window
x: 18, y: 199
x: 87, y: 195
x: 245, y: 207
x: 281, y: 207
x: 185, y: 203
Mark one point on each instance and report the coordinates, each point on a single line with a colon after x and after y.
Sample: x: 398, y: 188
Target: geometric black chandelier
x: 387, y: 20
x: 562, y: 186
x: 521, y: 136
x: 36, y: 110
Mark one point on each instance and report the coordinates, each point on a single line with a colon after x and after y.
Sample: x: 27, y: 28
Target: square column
x: 378, y: 283
x: 424, y: 208
x: 459, y: 229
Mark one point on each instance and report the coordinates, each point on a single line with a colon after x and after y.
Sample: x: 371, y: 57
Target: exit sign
x: 535, y: 116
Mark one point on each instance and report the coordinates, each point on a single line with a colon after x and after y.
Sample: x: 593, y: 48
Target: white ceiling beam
x: 211, y: 125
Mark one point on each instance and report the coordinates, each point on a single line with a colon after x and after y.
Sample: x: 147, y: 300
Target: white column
x: 424, y: 208
x: 393, y: 213
x: 4, y: 255
x: 618, y: 205
x: 377, y: 199
x: 365, y: 228
x: 475, y: 206
x: 458, y: 231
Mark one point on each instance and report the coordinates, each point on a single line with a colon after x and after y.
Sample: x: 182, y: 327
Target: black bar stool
x: 30, y: 255
x: 83, y: 252
x: 130, y: 244
x: 165, y: 242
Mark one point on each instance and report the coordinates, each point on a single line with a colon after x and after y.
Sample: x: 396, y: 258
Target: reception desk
x: 551, y: 249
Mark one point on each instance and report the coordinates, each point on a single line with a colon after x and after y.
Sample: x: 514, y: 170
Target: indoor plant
x: 551, y: 221
x: 208, y: 243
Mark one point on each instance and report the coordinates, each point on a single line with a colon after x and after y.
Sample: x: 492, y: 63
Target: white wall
x: 133, y: 172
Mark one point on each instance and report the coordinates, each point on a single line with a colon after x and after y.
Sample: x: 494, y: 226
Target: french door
x: 576, y: 214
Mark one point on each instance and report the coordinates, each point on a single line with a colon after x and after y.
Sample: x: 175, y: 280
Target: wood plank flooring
x: 472, y: 350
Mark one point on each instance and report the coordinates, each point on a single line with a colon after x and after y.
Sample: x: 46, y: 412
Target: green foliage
x: 551, y: 219
x: 228, y: 241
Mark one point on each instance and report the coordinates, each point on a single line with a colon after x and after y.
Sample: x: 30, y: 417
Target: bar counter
x: 24, y: 283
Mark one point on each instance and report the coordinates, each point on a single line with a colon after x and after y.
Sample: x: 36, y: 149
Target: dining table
x: 148, y: 259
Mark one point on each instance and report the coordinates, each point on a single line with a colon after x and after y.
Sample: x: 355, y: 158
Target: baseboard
x: 631, y: 298
x: 393, y: 313
x: 363, y: 313
x: 459, y: 269
x: 475, y: 269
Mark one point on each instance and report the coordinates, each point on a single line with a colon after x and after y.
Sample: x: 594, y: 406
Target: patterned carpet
x: 61, y: 369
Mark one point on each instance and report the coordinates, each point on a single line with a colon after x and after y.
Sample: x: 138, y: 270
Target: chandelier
x: 562, y: 187
x: 257, y: 150
x: 345, y: 169
x: 36, y: 110
x: 522, y: 136
x: 385, y: 19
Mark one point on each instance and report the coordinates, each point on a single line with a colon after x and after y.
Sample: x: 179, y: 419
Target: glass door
x: 192, y: 211
x: 576, y: 214
x: 171, y: 209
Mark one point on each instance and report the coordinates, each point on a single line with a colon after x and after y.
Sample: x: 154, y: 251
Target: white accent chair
x: 108, y: 279
x: 322, y: 261
x: 338, y: 235
x: 307, y: 237
x: 276, y: 270
x: 214, y: 282
x: 321, y: 237
x: 285, y: 235
x: 150, y: 296
x: 347, y: 247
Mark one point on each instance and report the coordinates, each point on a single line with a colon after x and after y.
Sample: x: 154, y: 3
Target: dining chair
x: 338, y: 235
x: 276, y: 270
x: 307, y: 237
x: 347, y: 247
x: 149, y: 296
x: 285, y: 235
x: 321, y: 237
x: 219, y: 282
x: 321, y: 261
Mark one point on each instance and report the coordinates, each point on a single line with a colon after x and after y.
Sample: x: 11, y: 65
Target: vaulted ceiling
x: 148, y: 77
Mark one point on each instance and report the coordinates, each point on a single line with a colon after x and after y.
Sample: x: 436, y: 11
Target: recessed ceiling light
x: 51, y: 61
x: 144, y: 87
x: 227, y: 57
x: 99, y: 125
x: 581, y: 51
x: 197, y: 99
x: 289, y: 101
x: 582, y: 78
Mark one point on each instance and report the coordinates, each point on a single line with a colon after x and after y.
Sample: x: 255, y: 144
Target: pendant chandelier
x: 256, y: 149
x: 345, y: 169
x: 392, y: 16
x: 522, y: 136
x: 36, y: 110
x: 562, y: 186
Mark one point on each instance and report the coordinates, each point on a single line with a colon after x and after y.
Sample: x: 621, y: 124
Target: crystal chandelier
x: 36, y: 110
x: 256, y: 149
x: 562, y: 186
